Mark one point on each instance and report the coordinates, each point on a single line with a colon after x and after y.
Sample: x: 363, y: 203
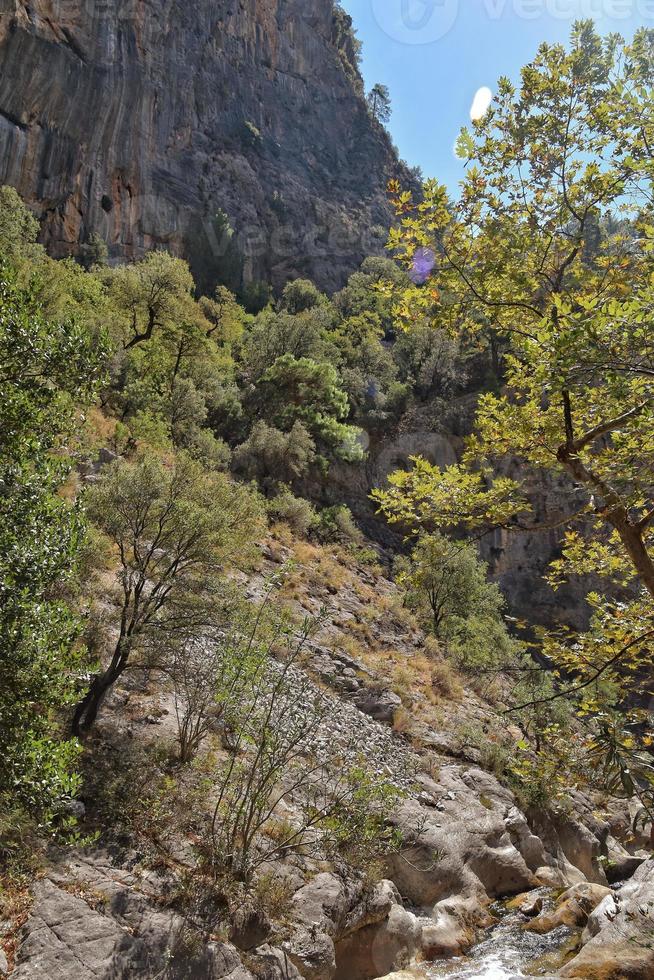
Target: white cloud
x: 481, y: 103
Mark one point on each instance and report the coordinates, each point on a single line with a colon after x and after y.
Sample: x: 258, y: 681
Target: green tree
x: 532, y: 251
x: 173, y: 529
x: 379, y: 103
x: 18, y: 226
x: 428, y: 361
x: 365, y: 366
x: 301, y: 295
x: 446, y: 579
x: 371, y: 290
x: 46, y: 369
x: 225, y: 316
x: 301, y: 390
x: 514, y: 251
x: 151, y: 295
x: 274, y: 334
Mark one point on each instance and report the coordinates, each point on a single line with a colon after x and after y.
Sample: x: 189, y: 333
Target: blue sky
x: 435, y: 54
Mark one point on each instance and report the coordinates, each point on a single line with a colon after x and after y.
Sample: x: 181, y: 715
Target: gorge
x: 324, y: 653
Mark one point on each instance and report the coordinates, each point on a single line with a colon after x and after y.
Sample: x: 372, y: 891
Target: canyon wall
x: 147, y: 121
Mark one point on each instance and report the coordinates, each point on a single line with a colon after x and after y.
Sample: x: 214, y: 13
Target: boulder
x: 601, y: 915
x: 621, y: 948
x: 276, y: 964
x: 446, y: 936
x: 66, y: 937
x: 622, y: 866
x: 380, y: 705
x: 460, y: 848
x: 376, y: 949
x: 312, y: 951
x: 572, y: 908
x: 573, y: 840
x: 412, y: 974
x: 532, y: 906
x: 324, y: 901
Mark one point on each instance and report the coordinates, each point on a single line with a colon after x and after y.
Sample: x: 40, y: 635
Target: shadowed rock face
x: 140, y: 120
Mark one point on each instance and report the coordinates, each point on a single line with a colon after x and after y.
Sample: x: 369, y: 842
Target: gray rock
x: 184, y: 109
x: 106, y: 457
x: 126, y: 940
x: 276, y: 964
x: 312, y: 951
x: 380, y: 705
x: 623, y: 945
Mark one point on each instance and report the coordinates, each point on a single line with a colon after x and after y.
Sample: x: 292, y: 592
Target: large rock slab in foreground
x: 623, y: 949
x: 113, y: 932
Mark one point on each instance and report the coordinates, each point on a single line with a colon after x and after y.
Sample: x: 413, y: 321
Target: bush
x: 336, y: 525
x: 301, y: 295
x: 152, y: 429
x: 255, y: 296
x: 213, y: 453
x: 270, y: 455
x: 341, y: 810
x: 297, y: 512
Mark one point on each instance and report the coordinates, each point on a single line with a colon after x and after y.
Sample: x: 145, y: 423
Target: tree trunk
x: 616, y: 514
x: 635, y: 547
x: 87, y: 709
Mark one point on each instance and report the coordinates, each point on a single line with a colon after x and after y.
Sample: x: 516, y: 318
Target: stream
x: 509, y: 953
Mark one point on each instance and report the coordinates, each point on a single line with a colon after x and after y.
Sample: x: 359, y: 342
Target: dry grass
x: 401, y: 721
x: 445, y: 682
x: 15, y: 905
x: 273, y: 893
x: 315, y: 568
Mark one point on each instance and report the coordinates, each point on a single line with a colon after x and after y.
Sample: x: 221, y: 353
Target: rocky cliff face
x: 141, y: 121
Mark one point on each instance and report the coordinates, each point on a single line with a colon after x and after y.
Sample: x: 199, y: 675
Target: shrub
x: 208, y: 449
x: 336, y: 524
x: 272, y: 456
x: 301, y: 295
x: 297, y: 512
x: 276, y: 759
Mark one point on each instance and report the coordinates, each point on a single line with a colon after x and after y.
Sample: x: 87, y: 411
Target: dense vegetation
x: 549, y: 251
x: 148, y: 433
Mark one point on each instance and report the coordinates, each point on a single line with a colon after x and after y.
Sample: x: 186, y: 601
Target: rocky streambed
x: 509, y: 952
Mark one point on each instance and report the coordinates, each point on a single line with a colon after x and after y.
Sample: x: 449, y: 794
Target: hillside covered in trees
x: 248, y: 732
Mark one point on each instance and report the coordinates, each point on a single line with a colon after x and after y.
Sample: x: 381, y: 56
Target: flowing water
x: 509, y: 953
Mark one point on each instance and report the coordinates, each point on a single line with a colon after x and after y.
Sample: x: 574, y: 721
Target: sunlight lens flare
x: 424, y: 261
x: 481, y: 103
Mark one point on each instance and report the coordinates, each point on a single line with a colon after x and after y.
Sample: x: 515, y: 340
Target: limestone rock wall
x: 141, y: 119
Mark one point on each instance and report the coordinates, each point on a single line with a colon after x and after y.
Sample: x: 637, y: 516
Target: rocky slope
x: 116, y: 910
x: 140, y: 121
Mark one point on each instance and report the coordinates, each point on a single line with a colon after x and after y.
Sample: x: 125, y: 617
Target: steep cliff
x: 142, y: 120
